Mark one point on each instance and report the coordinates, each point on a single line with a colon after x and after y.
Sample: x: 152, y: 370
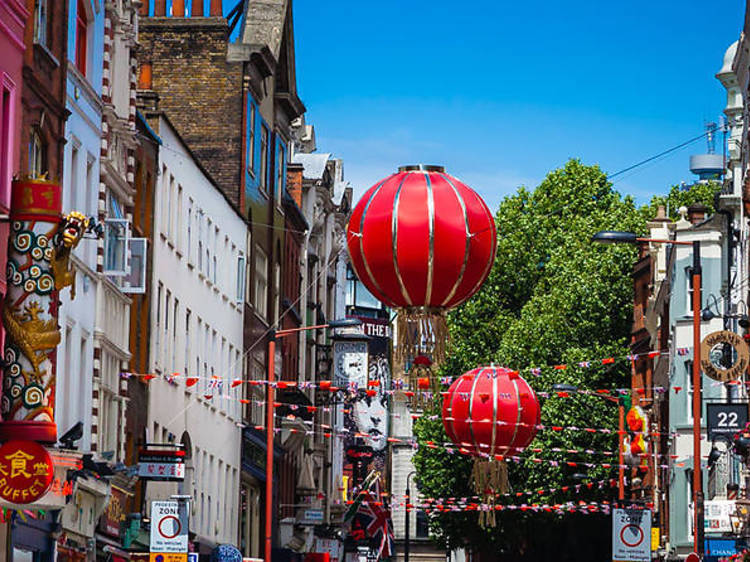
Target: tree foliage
x: 553, y: 297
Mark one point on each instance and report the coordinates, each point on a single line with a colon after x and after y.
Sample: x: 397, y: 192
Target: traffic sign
x: 631, y: 535
x: 693, y: 557
x: 169, y: 527
x: 724, y: 420
x: 167, y: 557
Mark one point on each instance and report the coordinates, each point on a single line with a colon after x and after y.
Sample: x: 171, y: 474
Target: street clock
x: 350, y: 358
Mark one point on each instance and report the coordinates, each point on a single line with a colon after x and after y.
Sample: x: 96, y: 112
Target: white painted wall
x: 211, y: 339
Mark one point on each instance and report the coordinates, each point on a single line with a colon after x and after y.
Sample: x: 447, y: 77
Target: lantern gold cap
x: 421, y: 168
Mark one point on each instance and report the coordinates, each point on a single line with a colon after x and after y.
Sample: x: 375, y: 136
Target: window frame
x: 260, y: 284
x: 250, y: 159
x: 263, y: 172
x: 41, y: 22
x: 81, y: 42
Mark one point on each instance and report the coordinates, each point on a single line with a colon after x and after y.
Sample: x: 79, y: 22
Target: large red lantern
x: 491, y: 412
x: 423, y: 242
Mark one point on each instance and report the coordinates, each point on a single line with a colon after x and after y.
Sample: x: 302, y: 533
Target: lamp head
x: 614, y: 237
x: 713, y: 456
x: 707, y: 314
x: 345, y: 323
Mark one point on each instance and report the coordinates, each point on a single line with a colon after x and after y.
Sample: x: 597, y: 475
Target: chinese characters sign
x: 161, y: 465
x: 26, y: 471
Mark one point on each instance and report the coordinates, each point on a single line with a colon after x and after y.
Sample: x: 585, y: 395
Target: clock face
x: 350, y: 362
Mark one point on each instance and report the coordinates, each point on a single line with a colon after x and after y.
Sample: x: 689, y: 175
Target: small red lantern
x: 423, y: 242
x: 491, y: 412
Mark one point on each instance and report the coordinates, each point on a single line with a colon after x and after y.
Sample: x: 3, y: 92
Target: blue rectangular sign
x: 721, y: 547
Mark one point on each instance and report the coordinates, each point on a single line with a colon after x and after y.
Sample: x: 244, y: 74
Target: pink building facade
x: 13, y: 18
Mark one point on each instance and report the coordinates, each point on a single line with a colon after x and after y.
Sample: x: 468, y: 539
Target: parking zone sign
x: 631, y: 535
x: 169, y: 527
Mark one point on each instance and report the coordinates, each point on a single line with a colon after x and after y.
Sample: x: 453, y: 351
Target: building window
x: 261, y: 282
x: 251, y: 140
x: 280, y: 166
x: 277, y: 291
x: 240, y: 279
x: 37, y: 155
x: 189, y: 249
x: 81, y: 37
x: 40, y: 22
x: 689, y: 275
x: 264, y: 158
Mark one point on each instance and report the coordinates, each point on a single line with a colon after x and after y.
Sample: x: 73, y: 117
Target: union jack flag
x: 370, y: 517
x: 378, y: 523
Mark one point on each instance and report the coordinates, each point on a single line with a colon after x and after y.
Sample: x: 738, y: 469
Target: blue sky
x: 502, y: 92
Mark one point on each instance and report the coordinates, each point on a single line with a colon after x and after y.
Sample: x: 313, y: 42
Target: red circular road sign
x: 176, y: 527
x: 693, y: 557
x: 635, y: 539
x: 26, y: 471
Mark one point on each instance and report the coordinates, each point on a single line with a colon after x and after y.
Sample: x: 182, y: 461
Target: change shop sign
x: 26, y: 471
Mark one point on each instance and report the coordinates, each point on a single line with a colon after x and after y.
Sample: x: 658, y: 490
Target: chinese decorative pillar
x: 39, y: 248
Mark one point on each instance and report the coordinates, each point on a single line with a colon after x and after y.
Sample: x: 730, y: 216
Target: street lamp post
x: 270, y: 392
x: 617, y: 237
x: 407, y: 528
x: 563, y: 387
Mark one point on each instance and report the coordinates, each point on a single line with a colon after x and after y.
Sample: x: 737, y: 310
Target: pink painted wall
x: 13, y: 19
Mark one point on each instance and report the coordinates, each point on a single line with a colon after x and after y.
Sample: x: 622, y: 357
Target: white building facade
x: 197, y: 285
x: 83, y: 135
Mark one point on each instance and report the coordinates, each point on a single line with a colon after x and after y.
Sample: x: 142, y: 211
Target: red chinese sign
x: 25, y: 471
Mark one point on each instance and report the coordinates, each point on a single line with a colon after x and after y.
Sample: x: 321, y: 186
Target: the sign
x: 724, y: 420
x: 717, y: 514
x: 311, y: 517
x: 114, y: 514
x: 161, y: 465
x: 724, y: 356
x: 26, y: 471
x: 168, y: 557
x: 169, y: 527
x: 631, y: 535
x: 193, y: 556
x: 720, y: 547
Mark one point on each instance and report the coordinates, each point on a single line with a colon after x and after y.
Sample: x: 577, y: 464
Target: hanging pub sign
x: 26, y: 471
x: 724, y: 356
x: 164, y: 465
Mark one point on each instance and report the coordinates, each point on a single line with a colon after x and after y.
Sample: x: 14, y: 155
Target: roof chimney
x: 196, y: 9
x: 178, y: 8
x: 696, y: 213
x: 661, y: 215
x: 216, y: 8
x: 160, y: 8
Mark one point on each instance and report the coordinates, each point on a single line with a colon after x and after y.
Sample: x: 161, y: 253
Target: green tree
x: 553, y: 297
x: 683, y: 196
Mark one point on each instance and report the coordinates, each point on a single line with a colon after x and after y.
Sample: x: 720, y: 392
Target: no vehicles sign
x: 631, y: 535
x: 169, y: 527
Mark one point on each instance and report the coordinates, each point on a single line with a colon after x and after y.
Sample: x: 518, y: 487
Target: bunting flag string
x: 215, y: 386
x: 399, y: 384
x: 398, y: 500
x: 328, y: 432
x: 561, y: 508
x: 539, y: 427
